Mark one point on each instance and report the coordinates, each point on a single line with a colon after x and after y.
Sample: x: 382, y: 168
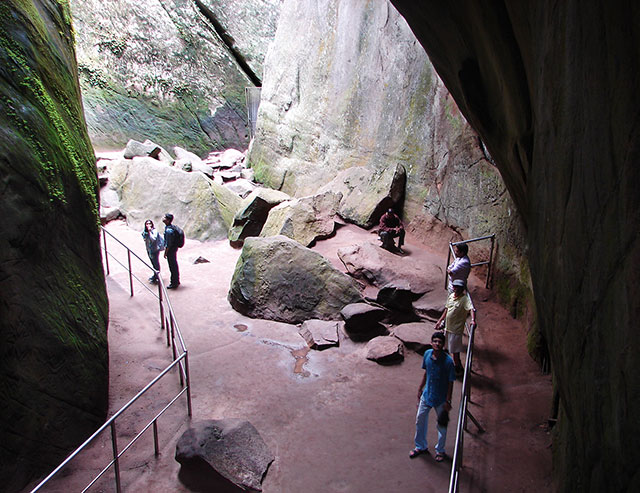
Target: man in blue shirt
x: 435, y: 391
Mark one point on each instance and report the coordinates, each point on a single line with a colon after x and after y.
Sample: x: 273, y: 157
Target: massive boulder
x: 553, y: 90
x: 253, y: 212
x: 305, y: 220
x: 172, y: 71
x: 148, y: 188
x: 53, y: 302
x: 278, y: 279
x: 368, y: 193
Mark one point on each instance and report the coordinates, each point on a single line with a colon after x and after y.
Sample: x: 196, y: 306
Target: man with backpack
x: 173, y: 239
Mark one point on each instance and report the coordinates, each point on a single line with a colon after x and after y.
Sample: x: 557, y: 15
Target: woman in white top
x: 155, y: 244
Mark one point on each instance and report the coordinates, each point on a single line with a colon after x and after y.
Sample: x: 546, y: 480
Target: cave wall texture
x: 553, y: 89
x: 173, y: 71
x: 346, y: 84
x: 53, y: 302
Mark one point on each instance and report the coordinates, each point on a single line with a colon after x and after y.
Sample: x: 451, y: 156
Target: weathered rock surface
x: 253, y: 212
x: 53, y: 304
x: 166, y: 70
x: 379, y: 267
x: 577, y: 192
x: 367, y: 193
x: 305, y: 220
x: 233, y: 448
x: 320, y: 334
x: 415, y: 335
x: 386, y: 350
x: 148, y: 189
x: 278, y: 279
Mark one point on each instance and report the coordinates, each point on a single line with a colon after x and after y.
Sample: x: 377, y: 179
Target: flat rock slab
x: 415, y: 335
x: 320, y: 334
x: 379, y: 267
x: 386, y: 350
x: 233, y: 448
x: 397, y: 295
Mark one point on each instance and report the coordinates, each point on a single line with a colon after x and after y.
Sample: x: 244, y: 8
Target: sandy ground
x: 335, y: 421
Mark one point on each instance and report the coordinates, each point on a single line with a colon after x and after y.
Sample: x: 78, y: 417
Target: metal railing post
x: 106, y: 254
x: 186, y: 371
x: 155, y: 438
x: 162, y: 325
x: 116, y: 460
x: 130, y: 273
x: 490, y: 271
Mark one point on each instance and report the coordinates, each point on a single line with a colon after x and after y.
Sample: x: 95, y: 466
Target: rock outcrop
x: 278, y: 279
x: 252, y: 214
x: 148, y: 188
x: 53, y: 303
x: 553, y: 90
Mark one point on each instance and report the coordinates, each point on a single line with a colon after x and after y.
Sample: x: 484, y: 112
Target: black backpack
x: 179, y: 235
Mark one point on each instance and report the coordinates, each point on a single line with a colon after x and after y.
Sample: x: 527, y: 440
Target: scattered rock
x: 362, y: 321
x: 232, y: 448
x: 183, y: 154
x: 367, y: 193
x: 320, y: 334
x: 305, y: 220
x: 431, y: 304
x: 253, y: 213
x: 415, y: 335
x: 397, y: 295
x: 385, y: 350
x: 276, y: 278
x: 241, y: 186
x: 147, y: 149
x: 201, y: 260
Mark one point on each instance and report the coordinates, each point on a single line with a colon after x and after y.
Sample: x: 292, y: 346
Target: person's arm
x: 447, y: 405
x: 422, y: 384
x: 441, y: 319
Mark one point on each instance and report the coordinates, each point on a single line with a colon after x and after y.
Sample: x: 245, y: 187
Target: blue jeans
x: 422, y: 424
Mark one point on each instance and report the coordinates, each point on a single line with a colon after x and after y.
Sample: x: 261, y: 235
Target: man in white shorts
x: 456, y: 311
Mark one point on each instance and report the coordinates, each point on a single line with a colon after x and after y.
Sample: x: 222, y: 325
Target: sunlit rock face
x: 347, y: 84
x: 173, y: 71
x: 553, y: 90
x: 53, y: 302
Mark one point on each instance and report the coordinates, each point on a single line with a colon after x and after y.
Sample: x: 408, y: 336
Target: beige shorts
x: 454, y: 343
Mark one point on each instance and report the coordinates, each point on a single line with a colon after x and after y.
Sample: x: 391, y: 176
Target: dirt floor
x: 335, y: 421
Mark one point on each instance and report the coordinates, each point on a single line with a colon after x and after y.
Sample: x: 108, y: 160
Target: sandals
x: 416, y: 452
x: 440, y: 456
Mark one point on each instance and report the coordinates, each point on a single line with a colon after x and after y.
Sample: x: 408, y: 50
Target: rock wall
x: 53, y: 302
x: 173, y: 71
x: 347, y: 84
x: 553, y: 88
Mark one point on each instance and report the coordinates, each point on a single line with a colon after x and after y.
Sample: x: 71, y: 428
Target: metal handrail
x: 463, y: 411
x: 489, y: 262
x: 180, y: 360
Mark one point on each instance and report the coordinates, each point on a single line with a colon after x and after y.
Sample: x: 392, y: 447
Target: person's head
x: 461, y: 250
x: 148, y: 225
x: 437, y: 340
x: 168, y: 218
x: 458, y: 286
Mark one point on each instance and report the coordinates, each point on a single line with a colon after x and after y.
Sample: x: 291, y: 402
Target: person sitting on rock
x: 390, y: 227
x: 460, y: 267
x: 455, y: 313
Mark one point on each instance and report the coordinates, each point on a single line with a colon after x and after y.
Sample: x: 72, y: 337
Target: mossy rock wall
x: 53, y: 302
x: 174, y: 72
